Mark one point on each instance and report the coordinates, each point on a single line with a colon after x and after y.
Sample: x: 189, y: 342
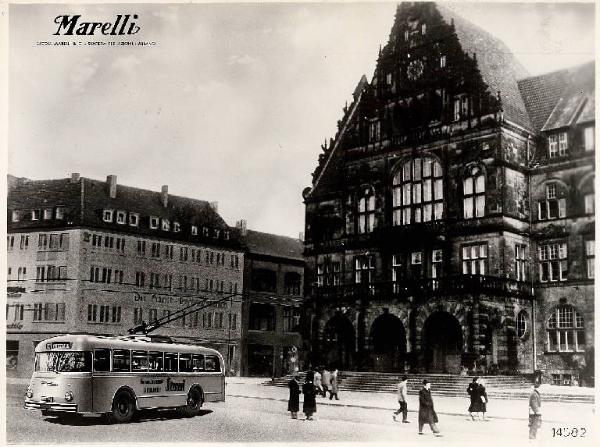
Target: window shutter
x: 562, y: 207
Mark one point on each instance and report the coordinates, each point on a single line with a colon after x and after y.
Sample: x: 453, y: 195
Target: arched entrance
x: 388, y: 339
x: 339, y: 342
x: 442, y: 343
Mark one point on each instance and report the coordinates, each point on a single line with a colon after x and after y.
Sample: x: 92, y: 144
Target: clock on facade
x: 415, y: 70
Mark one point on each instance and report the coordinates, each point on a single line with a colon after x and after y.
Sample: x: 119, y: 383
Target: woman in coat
x: 483, y: 398
x: 309, y: 407
x: 294, y: 400
x: 334, y: 386
x: 473, y: 392
x: 427, y: 413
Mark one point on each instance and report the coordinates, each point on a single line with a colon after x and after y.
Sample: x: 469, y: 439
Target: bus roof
x: 85, y: 342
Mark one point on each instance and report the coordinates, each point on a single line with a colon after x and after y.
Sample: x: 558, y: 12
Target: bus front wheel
x: 123, y: 408
x: 193, y: 403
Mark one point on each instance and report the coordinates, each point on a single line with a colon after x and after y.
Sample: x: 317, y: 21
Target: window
x: 233, y: 321
x: 374, y: 131
x: 16, y: 216
x: 205, y: 231
x: 155, y: 249
x: 176, y: 227
x: 562, y: 144
x: 565, y: 330
x: 461, y: 107
x: 557, y: 145
x: 589, y: 257
x: 364, y: 269
x: 474, y: 194
x: 406, y: 35
x: 589, y: 203
x: 263, y: 280
x: 291, y: 282
x: 121, y: 360
x: 169, y: 251
x: 417, y: 194
x: 423, y: 28
x: 520, y: 262
x: 12, y: 354
x: 291, y: 319
x: 168, y: 281
x: 51, y: 312
x: 107, y: 215
x: 121, y: 244
x: 47, y: 213
x: 552, y: 146
x: 553, y: 264
x: 101, y: 359
x: 121, y: 217
x: 552, y: 207
x: 139, y: 361
x: 134, y: 219
x: 154, y: 281
x: 588, y: 138
x: 442, y: 61
x: 194, y: 230
x: 436, y: 263
x: 140, y: 279
x: 153, y: 222
x: 388, y: 79
x: 183, y: 254
x: 138, y: 315
x: 166, y: 225
x: 141, y: 247
x: 155, y: 361
x: 522, y: 319
x: 366, y: 212
x: 24, y: 242
x: 475, y: 259
x: 59, y: 213
x: 398, y: 269
x: 10, y: 242
x: 35, y: 214
x: 262, y: 317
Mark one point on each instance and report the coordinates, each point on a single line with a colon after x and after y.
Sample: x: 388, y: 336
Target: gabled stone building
x: 432, y: 240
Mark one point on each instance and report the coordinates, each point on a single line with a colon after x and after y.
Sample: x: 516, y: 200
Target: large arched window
x: 366, y: 211
x: 418, y: 194
x: 522, y: 325
x: 565, y: 330
x: 474, y: 193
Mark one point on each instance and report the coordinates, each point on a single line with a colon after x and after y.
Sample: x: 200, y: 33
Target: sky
x: 232, y: 101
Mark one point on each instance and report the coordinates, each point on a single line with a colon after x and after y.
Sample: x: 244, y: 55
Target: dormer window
x: 461, y: 107
x: 47, y: 213
x: 107, y: 215
x: 557, y: 145
x: 176, y: 227
x: 59, y: 213
x: 134, y: 219
x: 388, y: 79
x: 552, y: 207
x: 16, y: 216
x: 154, y: 223
x: 588, y: 138
x: 205, y: 231
x: 423, y: 28
x: 35, y: 214
x: 121, y: 217
x: 216, y: 233
x: 442, y: 61
x: 166, y: 225
x: 226, y: 235
x: 374, y: 131
x: 194, y: 230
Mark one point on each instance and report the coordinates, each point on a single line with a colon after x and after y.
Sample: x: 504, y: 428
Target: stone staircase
x: 497, y: 387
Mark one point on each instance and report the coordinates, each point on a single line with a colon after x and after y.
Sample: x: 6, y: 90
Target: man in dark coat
x: 427, y: 413
x: 309, y: 407
x: 294, y: 401
x: 535, y: 410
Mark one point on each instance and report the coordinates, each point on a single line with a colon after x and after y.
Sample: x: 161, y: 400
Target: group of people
x: 315, y: 384
x: 318, y: 384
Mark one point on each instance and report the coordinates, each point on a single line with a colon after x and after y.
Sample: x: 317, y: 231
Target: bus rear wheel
x: 193, y: 403
x: 123, y: 408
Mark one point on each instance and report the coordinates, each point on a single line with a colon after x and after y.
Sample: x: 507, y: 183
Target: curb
x: 371, y: 407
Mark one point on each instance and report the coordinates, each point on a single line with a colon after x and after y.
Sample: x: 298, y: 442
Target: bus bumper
x: 51, y: 406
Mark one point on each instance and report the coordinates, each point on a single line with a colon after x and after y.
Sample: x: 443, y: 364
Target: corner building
x: 94, y: 257
x: 449, y: 224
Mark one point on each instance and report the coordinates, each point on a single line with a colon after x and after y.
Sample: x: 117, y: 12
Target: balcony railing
x: 426, y: 287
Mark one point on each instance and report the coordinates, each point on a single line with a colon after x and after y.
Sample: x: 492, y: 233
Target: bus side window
x: 197, y: 362
x: 185, y: 363
x: 212, y: 364
x: 155, y: 361
x: 102, y: 360
x: 139, y: 361
x: 121, y: 360
x: 171, y: 361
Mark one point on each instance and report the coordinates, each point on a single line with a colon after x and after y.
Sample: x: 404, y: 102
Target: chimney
x: 112, y: 186
x: 241, y: 225
x: 214, y: 206
x: 75, y: 177
x: 164, y: 193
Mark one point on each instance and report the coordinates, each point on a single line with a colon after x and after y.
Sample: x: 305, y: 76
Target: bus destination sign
x: 59, y: 345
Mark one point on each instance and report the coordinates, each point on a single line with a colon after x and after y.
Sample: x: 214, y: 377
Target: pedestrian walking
x: 309, y: 407
x: 325, y: 381
x: 294, y: 400
x: 483, y: 398
x: 476, y: 405
x: 427, y: 413
x: 402, y: 400
x: 333, y: 391
x: 535, y: 410
x: 318, y: 382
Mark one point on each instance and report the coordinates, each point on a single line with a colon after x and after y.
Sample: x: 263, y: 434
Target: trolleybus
x: 117, y: 376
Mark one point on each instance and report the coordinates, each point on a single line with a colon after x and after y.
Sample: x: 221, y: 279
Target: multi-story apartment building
x: 87, y: 256
x: 450, y: 222
x: 273, y: 295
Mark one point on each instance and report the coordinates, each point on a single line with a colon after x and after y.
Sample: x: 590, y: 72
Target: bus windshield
x: 63, y: 361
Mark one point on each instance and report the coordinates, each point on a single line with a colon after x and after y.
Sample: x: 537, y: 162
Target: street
x: 254, y: 418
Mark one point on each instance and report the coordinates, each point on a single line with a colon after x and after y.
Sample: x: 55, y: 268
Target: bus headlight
x: 29, y: 393
x: 68, y: 396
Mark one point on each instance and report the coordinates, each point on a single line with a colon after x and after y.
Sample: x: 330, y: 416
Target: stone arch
x: 586, y: 179
x: 339, y: 341
x: 442, y: 343
x: 387, y: 337
x: 459, y: 311
x: 397, y: 166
